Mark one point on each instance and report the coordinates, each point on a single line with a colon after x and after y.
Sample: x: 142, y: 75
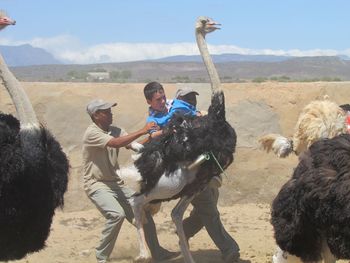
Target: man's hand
x: 150, y: 126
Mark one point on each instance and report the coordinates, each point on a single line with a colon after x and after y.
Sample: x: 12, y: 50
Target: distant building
x: 98, y: 76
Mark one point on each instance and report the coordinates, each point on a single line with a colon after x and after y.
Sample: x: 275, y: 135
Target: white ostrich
x: 319, y: 119
x: 183, y: 173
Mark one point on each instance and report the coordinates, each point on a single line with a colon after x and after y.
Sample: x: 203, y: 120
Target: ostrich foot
x: 142, y: 259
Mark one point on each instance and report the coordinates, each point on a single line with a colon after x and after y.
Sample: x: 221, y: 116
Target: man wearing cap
x: 101, y: 143
x: 205, y: 212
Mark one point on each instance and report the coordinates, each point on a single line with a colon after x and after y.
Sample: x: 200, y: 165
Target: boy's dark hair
x: 151, y: 88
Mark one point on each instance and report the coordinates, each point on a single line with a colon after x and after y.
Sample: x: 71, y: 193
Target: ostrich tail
x: 280, y: 145
x: 136, y: 147
x: 131, y: 177
x: 217, y: 107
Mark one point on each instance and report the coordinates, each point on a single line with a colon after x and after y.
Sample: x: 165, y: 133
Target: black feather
x: 33, y: 180
x: 314, y: 205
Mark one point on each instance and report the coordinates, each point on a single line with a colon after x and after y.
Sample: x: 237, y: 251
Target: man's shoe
x: 166, y: 254
x: 232, y: 257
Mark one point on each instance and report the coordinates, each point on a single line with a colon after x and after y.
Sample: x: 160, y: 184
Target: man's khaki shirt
x: 100, y: 162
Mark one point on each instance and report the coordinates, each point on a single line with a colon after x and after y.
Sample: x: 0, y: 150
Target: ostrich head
x: 206, y: 25
x: 5, y: 20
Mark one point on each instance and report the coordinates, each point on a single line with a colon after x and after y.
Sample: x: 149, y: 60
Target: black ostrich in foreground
x: 311, y: 213
x: 33, y: 174
x: 174, y: 165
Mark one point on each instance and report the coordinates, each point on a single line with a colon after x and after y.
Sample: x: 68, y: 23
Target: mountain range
x: 36, y: 64
x: 26, y: 55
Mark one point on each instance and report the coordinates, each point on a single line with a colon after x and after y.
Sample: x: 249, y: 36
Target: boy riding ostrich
x: 182, y: 161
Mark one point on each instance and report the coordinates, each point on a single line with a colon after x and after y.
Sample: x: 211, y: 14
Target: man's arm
x: 148, y: 138
x: 122, y: 141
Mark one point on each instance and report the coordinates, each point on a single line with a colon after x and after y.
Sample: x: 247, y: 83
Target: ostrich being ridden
x: 33, y: 173
x: 181, y: 162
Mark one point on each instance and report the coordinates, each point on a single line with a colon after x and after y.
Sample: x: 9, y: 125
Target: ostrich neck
x: 213, y: 74
x: 23, y: 106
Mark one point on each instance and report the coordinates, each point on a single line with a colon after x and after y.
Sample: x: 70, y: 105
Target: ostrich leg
x: 177, y: 216
x: 328, y: 257
x: 137, y: 204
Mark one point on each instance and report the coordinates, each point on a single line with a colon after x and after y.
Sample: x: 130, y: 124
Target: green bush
x: 259, y: 79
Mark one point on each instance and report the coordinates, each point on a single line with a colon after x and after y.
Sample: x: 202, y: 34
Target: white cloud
x: 117, y: 52
x: 70, y: 50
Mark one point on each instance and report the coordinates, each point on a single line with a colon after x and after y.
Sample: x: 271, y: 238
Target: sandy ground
x: 74, y: 236
x: 251, y: 183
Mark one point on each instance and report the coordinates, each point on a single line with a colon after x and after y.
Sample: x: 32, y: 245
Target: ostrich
x: 319, y: 119
x: 5, y: 20
x: 33, y: 173
x: 175, y: 164
x: 311, y: 215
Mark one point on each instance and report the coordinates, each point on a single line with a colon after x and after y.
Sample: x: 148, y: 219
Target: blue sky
x: 89, y: 31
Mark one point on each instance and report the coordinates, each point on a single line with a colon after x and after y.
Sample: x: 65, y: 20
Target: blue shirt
x: 159, y: 117
x: 162, y: 118
x: 183, y: 107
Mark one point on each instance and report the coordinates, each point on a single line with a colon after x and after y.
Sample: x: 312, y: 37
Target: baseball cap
x: 184, y: 91
x: 98, y: 104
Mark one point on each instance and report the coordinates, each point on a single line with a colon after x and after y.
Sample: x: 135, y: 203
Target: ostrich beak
x: 215, y: 24
x: 7, y: 21
x: 212, y: 26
